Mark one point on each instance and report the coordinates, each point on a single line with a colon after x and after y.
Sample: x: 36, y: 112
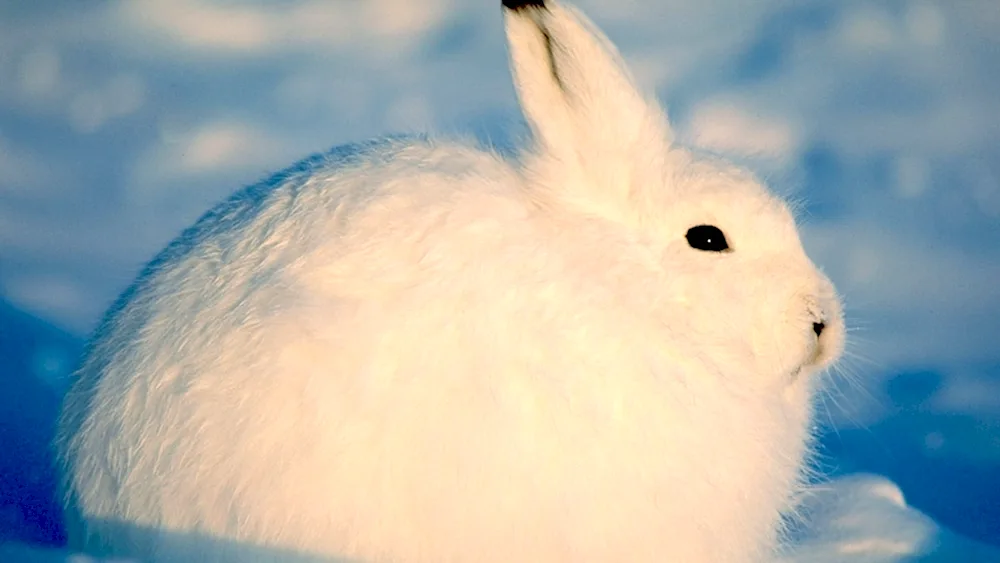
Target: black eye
x: 708, y: 238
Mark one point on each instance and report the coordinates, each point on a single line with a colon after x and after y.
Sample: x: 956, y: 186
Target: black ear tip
x: 516, y: 5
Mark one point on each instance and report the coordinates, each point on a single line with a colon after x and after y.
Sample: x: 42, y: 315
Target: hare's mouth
x: 829, y: 344
x: 825, y: 348
x: 805, y: 370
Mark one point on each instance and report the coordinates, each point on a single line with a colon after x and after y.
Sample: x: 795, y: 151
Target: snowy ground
x: 121, y: 121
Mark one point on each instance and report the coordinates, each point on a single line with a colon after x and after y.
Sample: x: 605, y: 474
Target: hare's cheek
x: 781, y: 331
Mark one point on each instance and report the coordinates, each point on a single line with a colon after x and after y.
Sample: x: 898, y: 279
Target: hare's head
x: 738, y: 284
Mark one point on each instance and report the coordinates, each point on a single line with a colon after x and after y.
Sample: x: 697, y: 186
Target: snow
x: 862, y: 519
x: 120, y: 122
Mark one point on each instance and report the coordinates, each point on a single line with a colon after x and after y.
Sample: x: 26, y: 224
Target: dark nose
x: 818, y: 328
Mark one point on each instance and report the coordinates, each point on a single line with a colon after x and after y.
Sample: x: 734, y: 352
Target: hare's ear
x: 579, y: 99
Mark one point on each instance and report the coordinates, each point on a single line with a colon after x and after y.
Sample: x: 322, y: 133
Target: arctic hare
x: 415, y: 351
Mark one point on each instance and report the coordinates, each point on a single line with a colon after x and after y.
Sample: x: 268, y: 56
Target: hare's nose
x: 818, y: 328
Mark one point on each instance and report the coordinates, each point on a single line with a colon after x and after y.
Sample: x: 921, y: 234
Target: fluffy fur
x: 420, y: 352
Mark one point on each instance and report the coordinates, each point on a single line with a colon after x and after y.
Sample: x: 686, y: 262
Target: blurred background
x: 122, y: 121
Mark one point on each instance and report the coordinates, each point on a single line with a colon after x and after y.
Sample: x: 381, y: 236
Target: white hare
x: 416, y: 351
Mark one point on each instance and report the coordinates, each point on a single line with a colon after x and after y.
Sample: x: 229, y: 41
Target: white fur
x: 419, y: 352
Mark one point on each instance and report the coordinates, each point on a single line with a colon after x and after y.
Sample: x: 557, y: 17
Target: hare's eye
x: 708, y: 238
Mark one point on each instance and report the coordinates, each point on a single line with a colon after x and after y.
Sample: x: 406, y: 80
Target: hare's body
x: 422, y: 353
